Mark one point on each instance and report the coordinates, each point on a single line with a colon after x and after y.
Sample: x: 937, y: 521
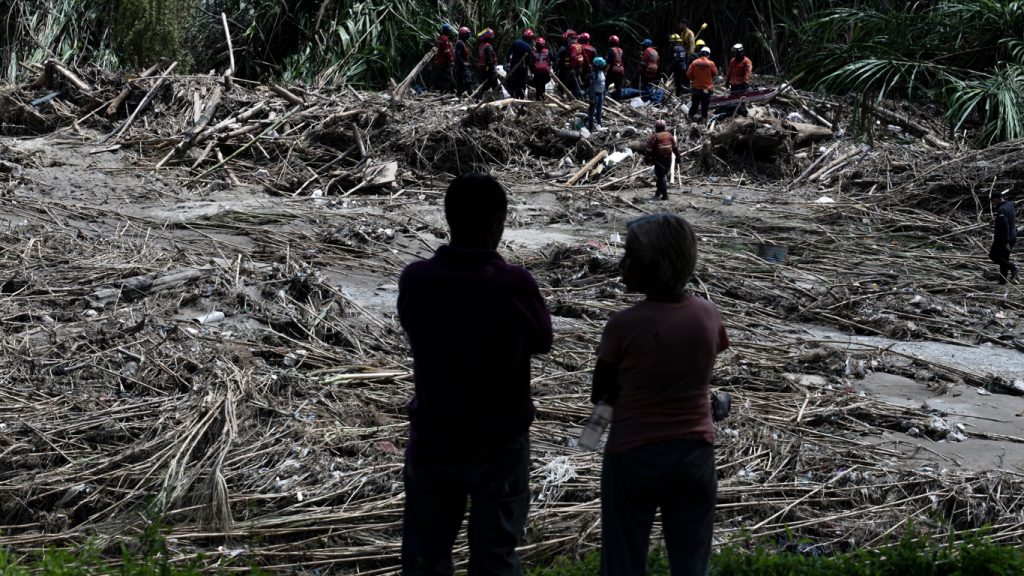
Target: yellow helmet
x: 675, y: 38
x: 700, y: 43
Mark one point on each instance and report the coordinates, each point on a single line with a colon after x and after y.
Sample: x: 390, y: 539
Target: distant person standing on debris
x: 1004, y: 237
x: 463, y: 66
x: 679, y: 65
x: 487, y: 62
x: 589, y: 53
x: 472, y: 321
x: 596, y: 88
x: 519, y: 62
x: 570, y: 64
x: 541, y: 67
x: 661, y: 146
x: 648, y: 64
x: 654, y: 367
x: 740, y: 71
x: 688, y: 38
x: 616, y: 75
x: 702, y: 74
x: 444, y: 59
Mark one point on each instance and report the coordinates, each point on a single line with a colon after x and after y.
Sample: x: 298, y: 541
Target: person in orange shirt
x: 740, y: 70
x: 701, y: 73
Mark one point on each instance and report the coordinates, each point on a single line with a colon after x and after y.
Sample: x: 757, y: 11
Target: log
x: 766, y: 135
x: 822, y: 158
x: 837, y: 163
x: 139, y: 287
x: 914, y: 127
x: 189, y: 137
x: 142, y: 105
x: 288, y: 96
x: 403, y: 87
x: 586, y: 167
x: 69, y: 75
x: 120, y: 98
x: 230, y: 73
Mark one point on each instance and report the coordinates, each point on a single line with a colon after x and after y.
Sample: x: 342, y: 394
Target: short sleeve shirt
x: 665, y: 353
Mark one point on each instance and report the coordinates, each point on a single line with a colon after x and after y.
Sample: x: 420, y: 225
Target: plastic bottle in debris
x: 598, y: 422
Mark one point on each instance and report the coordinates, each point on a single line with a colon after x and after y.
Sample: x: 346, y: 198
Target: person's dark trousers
x: 700, y: 100
x: 443, y: 79
x: 572, y: 81
x: 648, y: 83
x: 464, y: 82
x: 490, y: 82
x: 517, y: 84
x: 739, y: 88
x: 497, y: 488
x: 618, y: 80
x: 1001, y: 256
x: 682, y: 82
x: 596, y: 110
x: 677, y: 476
x: 661, y: 169
x: 540, y: 83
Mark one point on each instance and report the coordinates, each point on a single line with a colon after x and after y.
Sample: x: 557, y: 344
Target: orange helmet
x: 528, y: 34
x: 613, y: 40
x: 585, y: 37
x: 541, y: 42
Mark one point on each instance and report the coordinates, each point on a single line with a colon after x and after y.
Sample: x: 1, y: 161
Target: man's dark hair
x: 473, y: 204
x: 661, y: 254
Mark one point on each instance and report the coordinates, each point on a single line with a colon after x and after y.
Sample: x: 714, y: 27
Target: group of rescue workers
x: 576, y: 66
x: 578, y: 70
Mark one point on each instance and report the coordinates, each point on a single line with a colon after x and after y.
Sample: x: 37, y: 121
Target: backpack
x: 542, y: 61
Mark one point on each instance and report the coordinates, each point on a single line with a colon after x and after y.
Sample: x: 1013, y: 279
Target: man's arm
x: 530, y: 301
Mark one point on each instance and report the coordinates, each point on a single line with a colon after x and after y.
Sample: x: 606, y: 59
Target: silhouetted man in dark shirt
x: 1004, y: 237
x: 473, y: 321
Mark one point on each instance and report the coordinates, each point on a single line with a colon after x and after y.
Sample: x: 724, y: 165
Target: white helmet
x: 705, y: 50
x: 737, y: 47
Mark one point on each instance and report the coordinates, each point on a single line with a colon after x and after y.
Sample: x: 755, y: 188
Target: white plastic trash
x: 211, y: 318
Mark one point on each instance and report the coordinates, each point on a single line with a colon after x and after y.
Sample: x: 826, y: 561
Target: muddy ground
x: 868, y: 390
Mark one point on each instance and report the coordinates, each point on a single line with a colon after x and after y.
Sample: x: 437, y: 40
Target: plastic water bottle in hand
x: 598, y: 422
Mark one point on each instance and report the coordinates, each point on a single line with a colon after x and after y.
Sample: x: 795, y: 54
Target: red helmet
x: 570, y: 33
x: 613, y: 40
x: 464, y: 32
x: 487, y: 34
x: 528, y: 34
x: 585, y: 37
x: 660, y: 126
x: 541, y: 42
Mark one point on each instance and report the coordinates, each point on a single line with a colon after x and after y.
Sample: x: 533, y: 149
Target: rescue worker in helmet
x: 648, y: 64
x: 463, y: 64
x: 596, y: 94
x: 570, y: 64
x: 519, y: 62
x: 589, y: 53
x: 679, y: 65
x: 688, y: 39
x: 616, y: 73
x: 702, y: 74
x: 661, y: 146
x: 541, y: 67
x: 487, y: 62
x: 444, y: 59
x: 740, y: 70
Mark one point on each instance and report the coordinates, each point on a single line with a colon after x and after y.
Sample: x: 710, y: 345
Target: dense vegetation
x: 965, y: 56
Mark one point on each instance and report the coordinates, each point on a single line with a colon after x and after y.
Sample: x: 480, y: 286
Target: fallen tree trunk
x: 766, y: 136
x: 913, y: 127
x: 141, y: 286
